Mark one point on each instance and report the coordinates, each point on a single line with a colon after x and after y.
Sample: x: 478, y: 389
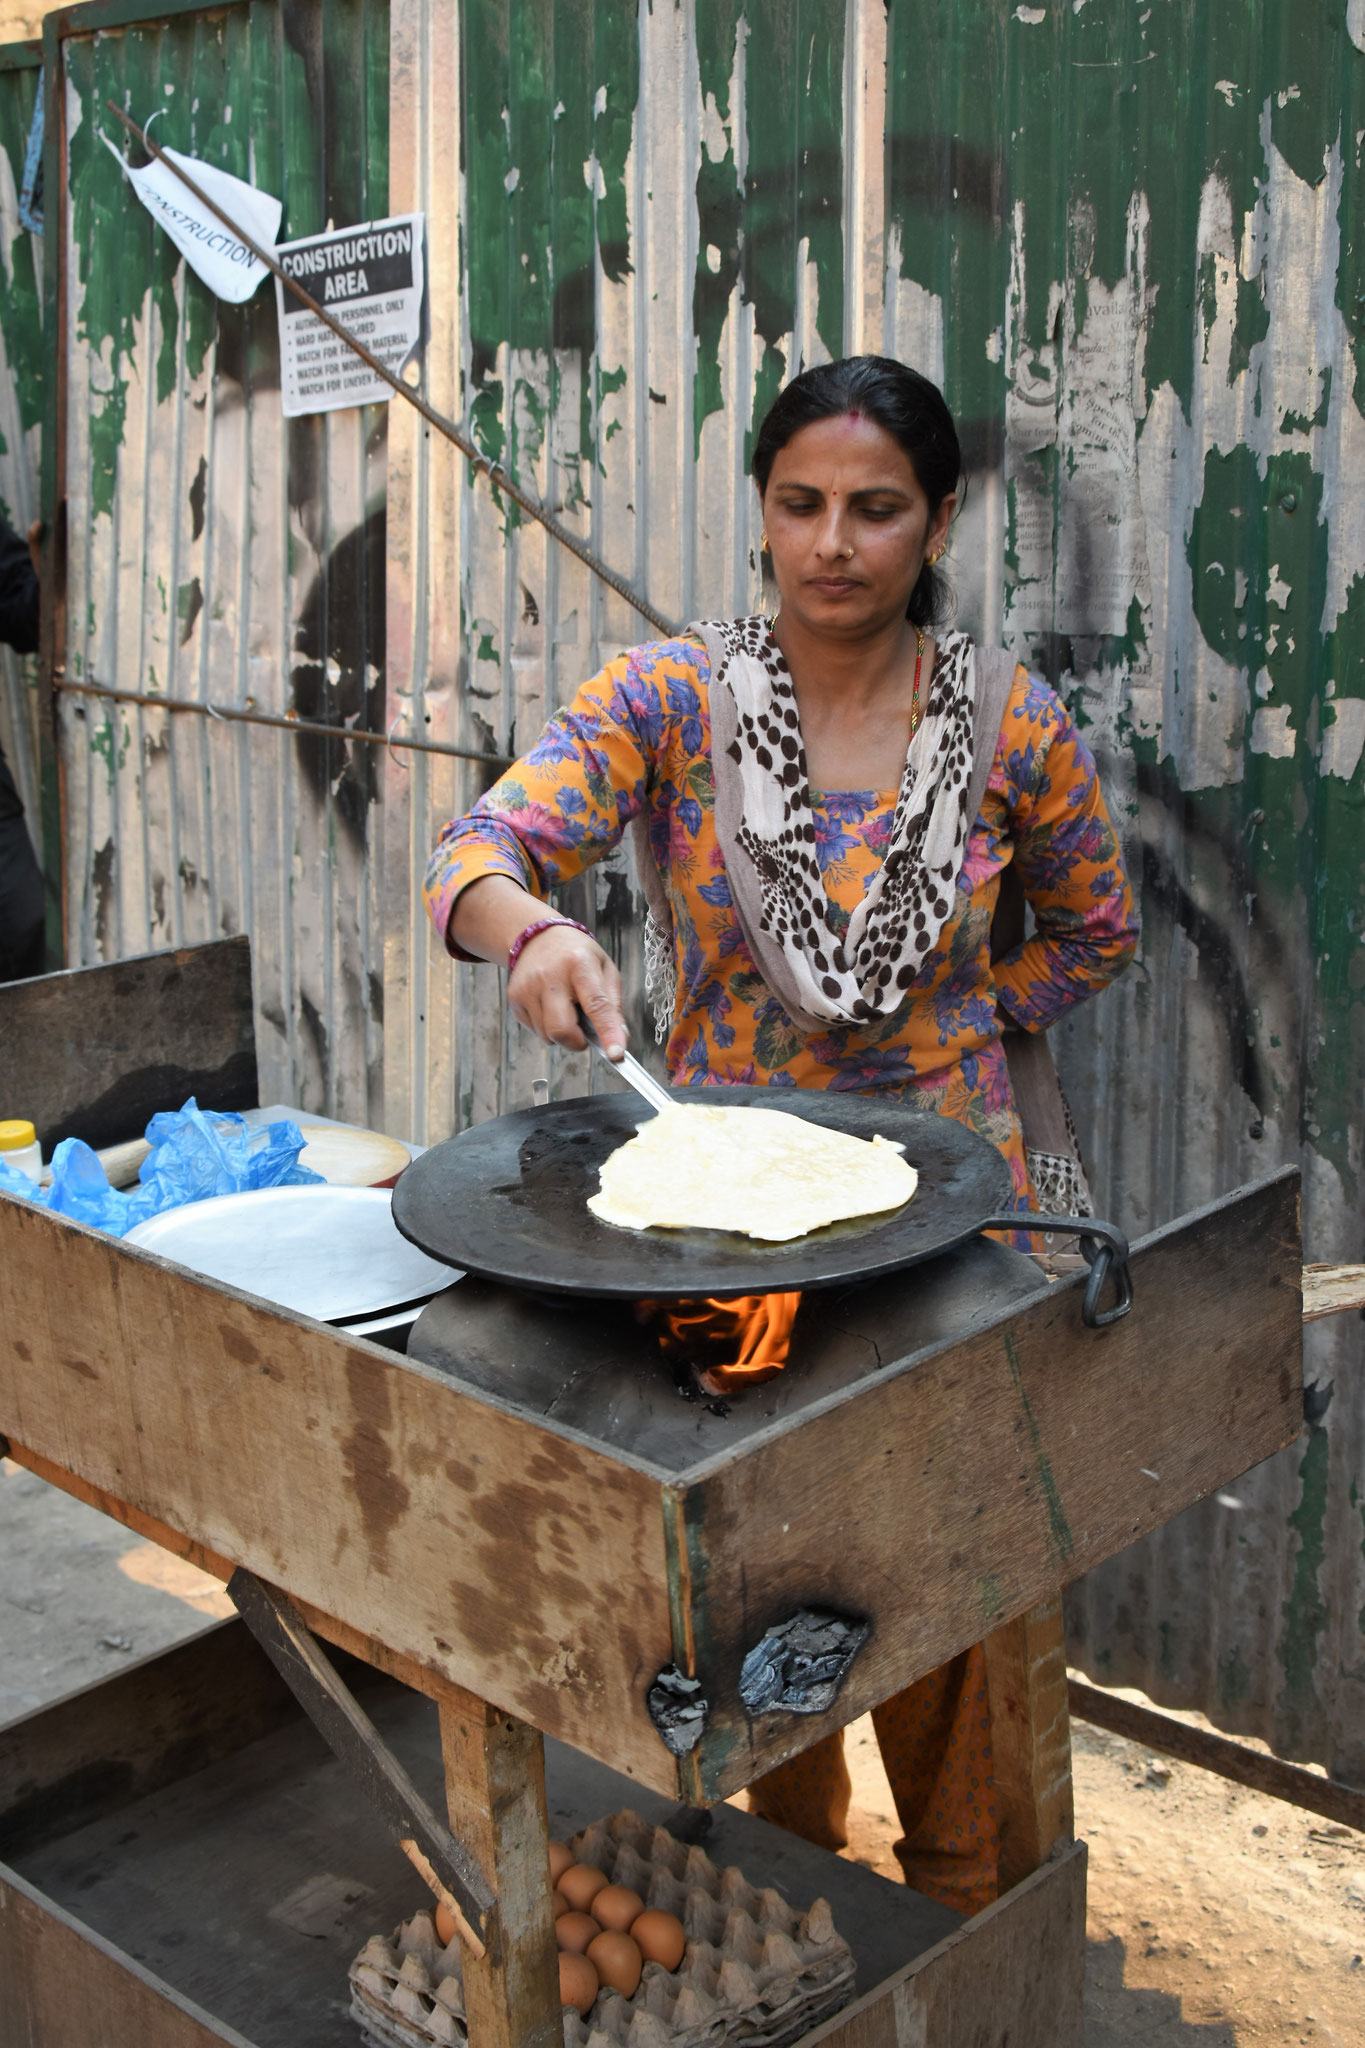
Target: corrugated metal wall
x: 1126, y: 240
x: 1142, y: 228
x: 216, y: 552
x: 1114, y: 233
x: 21, y: 405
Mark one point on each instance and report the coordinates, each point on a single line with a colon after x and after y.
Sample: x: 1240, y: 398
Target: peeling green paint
x: 1062, y: 1542
x: 295, y: 100
x: 751, y: 230
x: 549, y: 107
x: 110, y: 739
x: 1258, y: 556
x: 21, y: 279
x: 989, y: 109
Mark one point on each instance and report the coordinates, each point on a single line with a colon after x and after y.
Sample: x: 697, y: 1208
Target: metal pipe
x: 494, y: 471
x: 233, y: 714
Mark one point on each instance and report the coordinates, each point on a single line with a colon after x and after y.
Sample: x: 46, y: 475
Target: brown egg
x: 560, y: 1861
x: 575, y: 1930
x: 559, y: 1904
x: 618, y: 1962
x: 580, y: 1884
x: 615, y: 1906
x: 659, y: 1937
x: 446, y: 1929
x: 577, y: 1982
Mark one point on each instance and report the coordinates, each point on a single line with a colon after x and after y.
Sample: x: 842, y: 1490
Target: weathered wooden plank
x: 94, y: 1052
x: 1235, y: 1761
x: 1030, y: 1739
x: 1332, y: 1290
x: 64, y: 1983
x: 1012, y: 1977
x: 523, y: 1563
x: 364, y: 1649
x: 960, y: 1490
x: 97, y: 1750
x: 495, y: 1797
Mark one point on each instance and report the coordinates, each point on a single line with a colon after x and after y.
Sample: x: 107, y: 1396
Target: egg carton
x: 408, y: 1991
x: 754, y: 1972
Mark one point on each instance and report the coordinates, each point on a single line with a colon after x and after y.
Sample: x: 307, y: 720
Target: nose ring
x: 846, y: 554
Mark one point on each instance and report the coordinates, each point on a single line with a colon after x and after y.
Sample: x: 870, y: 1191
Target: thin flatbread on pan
x: 759, y: 1172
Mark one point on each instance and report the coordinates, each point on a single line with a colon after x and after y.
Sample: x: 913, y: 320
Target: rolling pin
x: 120, y: 1163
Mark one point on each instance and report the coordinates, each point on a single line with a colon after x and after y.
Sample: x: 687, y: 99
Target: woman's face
x: 848, y: 526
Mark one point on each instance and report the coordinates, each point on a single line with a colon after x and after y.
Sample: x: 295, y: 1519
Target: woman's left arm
x: 1069, y: 860
x: 557, y: 809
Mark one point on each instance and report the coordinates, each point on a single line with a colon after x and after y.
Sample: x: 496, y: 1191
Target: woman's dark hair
x: 907, y: 406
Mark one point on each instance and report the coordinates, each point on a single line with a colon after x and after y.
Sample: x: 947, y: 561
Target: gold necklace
x: 916, y: 710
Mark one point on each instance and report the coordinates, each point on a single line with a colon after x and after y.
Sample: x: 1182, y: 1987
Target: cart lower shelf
x: 227, y: 1897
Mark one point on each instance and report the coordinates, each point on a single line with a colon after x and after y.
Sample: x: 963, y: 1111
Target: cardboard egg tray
x: 407, y: 1992
x: 754, y: 1972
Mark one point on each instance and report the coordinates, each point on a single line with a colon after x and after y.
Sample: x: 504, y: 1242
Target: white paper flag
x: 226, y: 265
x: 369, y: 277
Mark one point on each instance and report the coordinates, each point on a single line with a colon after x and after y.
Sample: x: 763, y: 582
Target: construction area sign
x: 371, y: 279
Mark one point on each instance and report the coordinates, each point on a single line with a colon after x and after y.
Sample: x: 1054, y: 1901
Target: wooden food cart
x: 186, y: 1864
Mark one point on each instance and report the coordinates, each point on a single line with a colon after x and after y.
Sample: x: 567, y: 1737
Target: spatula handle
x: 627, y: 1066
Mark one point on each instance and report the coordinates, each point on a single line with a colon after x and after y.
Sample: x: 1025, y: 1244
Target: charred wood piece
x: 677, y: 1709
x: 799, y: 1665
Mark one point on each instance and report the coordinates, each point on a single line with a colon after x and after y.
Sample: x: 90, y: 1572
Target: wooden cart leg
x: 495, y: 1796
x: 1030, y: 1739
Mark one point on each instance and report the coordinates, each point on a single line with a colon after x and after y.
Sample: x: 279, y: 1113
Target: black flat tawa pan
x: 509, y: 1199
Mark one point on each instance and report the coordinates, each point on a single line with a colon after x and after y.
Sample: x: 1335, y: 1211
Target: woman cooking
x: 807, y: 785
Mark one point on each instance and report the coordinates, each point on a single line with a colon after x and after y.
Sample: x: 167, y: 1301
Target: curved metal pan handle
x: 1104, y: 1248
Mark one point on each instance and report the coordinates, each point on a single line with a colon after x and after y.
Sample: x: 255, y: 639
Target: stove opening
x: 727, y: 1345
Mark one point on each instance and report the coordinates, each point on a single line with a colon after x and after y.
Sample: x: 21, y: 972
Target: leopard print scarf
x: 768, y: 838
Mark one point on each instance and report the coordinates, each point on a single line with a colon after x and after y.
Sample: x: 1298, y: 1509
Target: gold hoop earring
x: 932, y: 561
x: 763, y: 541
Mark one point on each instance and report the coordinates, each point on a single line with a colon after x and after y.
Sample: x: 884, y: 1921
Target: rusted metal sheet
x: 1126, y: 240
x: 21, y: 401
x: 214, y: 551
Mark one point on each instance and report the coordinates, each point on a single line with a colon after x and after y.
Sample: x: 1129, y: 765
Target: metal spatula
x: 627, y: 1066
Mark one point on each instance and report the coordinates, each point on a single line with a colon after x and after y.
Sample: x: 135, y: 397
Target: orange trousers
x: 935, y: 1740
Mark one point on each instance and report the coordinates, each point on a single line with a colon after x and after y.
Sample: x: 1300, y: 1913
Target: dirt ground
x: 1218, y: 1918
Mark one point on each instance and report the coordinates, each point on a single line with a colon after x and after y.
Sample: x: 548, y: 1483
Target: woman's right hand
x: 558, y: 970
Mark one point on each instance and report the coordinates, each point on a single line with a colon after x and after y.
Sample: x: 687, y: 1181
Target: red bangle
x: 542, y: 924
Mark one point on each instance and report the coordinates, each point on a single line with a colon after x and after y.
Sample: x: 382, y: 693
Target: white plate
x: 326, y: 1252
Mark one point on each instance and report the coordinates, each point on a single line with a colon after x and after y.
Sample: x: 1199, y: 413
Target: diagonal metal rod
x: 282, y: 721
x: 494, y: 471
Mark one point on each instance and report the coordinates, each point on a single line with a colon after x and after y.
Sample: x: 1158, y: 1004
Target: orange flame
x: 732, y: 1344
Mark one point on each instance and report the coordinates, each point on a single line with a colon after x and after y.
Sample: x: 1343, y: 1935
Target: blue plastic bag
x: 195, y: 1154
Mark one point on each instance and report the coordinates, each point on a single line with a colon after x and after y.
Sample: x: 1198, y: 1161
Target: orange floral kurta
x: 638, y: 737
